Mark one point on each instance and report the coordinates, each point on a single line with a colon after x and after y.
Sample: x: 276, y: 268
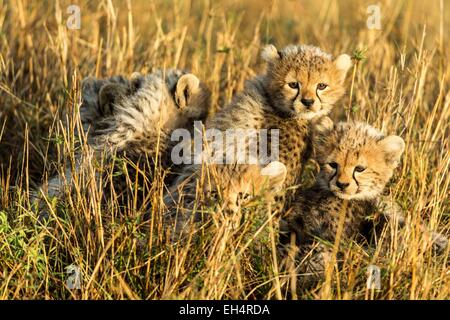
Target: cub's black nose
x: 307, y: 102
x: 341, y: 185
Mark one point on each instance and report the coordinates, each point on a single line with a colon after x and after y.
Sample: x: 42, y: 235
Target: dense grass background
x: 399, y: 84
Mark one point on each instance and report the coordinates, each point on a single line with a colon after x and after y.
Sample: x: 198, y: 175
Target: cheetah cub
x: 301, y: 83
x: 130, y: 114
x: 134, y: 117
x: 259, y: 184
x: 356, y: 162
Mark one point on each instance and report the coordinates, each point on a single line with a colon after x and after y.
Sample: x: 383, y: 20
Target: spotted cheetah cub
x: 130, y: 114
x: 356, y: 162
x: 301, y: 82
x: 135, y: 117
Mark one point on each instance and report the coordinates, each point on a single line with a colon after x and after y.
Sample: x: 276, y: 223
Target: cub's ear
x: 91, y: 86
x: 88, y: 83
x: 270, y: 53
x: 109, y: 95
x: 342, y: 63
x: 136, y: 80
x: 187, y: 85
x: 135, y: 75
x: 393, y: 146
x: 275, y: 174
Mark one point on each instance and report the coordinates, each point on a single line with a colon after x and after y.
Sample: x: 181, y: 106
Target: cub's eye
x: 359, y: 168
x: 293, y: 85
x: 243, y: 196
x: 321, y: 86
x: 333, y: 164
x: 213, y: 194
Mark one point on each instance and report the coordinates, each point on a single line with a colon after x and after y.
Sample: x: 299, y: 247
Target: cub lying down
x: 356, y: 162
x: 133, y: 118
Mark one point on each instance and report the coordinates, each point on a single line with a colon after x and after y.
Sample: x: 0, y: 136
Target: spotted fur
x: 356, y: 162
x: 225, y: 193
x: 135, y: 118
x: 268, y: 102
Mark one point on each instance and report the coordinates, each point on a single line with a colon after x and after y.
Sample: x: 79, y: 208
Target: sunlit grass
x: 400, y: 85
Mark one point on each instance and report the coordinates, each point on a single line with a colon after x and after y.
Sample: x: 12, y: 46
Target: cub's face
x: 357, y: 160
x: 303, y: 81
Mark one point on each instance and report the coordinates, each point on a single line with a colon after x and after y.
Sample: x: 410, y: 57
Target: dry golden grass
x: 400, y: 85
